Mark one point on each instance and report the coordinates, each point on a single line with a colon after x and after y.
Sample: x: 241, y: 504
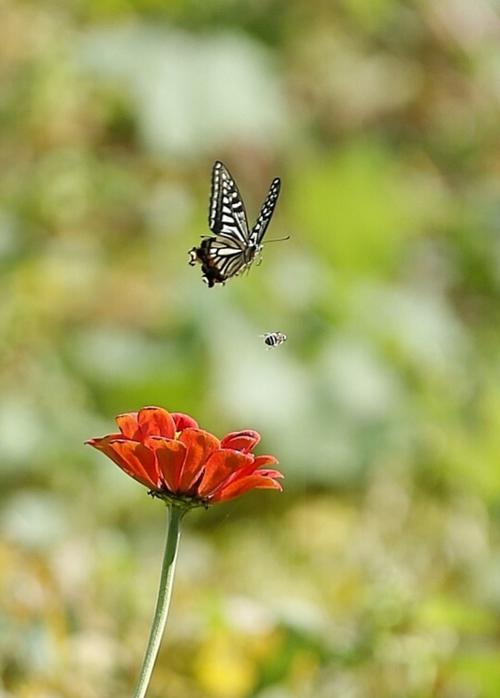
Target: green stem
x: 163, y: 600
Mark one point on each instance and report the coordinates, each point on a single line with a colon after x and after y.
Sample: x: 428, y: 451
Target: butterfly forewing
x: 266, y: 212
x: 227, y: 216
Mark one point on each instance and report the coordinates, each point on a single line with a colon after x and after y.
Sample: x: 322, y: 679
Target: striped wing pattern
x: 227, y: 216
x: 232, y: 248
x: 226, y: 259
x: 266, y: 212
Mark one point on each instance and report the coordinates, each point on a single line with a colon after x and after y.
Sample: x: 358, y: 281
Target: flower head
x: 176, y: 460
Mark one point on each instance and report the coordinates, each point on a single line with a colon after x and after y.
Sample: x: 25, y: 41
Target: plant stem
x: 163, y: 600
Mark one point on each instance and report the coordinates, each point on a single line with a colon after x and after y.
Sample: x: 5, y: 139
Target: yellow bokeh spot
x: 223, y: 669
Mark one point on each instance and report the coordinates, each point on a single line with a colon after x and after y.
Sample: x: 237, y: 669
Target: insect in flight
x: 233, y: 247
x: 274, y: 339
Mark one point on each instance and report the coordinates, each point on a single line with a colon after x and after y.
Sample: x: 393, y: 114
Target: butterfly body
x: 233, y: 247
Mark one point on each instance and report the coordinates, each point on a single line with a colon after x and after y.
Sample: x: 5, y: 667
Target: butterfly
x: 233, y: 247
x: 274, y: 339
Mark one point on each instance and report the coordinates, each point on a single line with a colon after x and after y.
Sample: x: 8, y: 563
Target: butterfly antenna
x: 287, y: 237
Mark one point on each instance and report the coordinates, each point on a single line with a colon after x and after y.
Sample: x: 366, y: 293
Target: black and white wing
x: 226, y: 214
x: 228, y: 260
x: 232, y: 248
x: 266, y: 212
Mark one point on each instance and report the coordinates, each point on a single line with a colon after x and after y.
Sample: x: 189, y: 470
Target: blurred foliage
x: 377, y: 572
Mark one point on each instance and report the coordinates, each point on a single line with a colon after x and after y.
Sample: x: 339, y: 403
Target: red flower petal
x: 183, y: 421
x: 241, y: 485
x: 251, y: 467
x: 219, y: 467
x: 132, y: 457
x: 241, y: 440
x: 155, y: 421
x: 200, y: 445
x: 128, y: 425
x: 275, y: 474
x: 265, y: 460
x: 196, y: 464
x: 170, y: 456
x: 93, y: 442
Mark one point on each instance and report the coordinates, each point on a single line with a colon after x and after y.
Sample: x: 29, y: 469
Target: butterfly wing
x: 227, y: 260
x: 233, y: 248
x: 266, y: 212
x: 226, y: 215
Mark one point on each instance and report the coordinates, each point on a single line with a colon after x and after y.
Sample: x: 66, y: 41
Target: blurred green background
x: 377, y: 573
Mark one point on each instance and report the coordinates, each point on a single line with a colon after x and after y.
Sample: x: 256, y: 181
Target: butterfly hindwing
x: 228, y: 259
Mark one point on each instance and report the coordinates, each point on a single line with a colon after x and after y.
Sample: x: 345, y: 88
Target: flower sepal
x: 181, y: 501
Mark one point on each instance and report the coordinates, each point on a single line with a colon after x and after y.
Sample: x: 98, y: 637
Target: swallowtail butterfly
x: 274, y: 339
x: 233, y: 247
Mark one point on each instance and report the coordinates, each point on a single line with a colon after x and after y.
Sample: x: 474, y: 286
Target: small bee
x: 274, y: 339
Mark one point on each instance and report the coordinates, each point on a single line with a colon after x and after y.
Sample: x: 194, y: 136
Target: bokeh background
x: 377, y: 573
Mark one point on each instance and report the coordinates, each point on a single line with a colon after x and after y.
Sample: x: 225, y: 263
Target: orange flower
x: 177, y: 460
